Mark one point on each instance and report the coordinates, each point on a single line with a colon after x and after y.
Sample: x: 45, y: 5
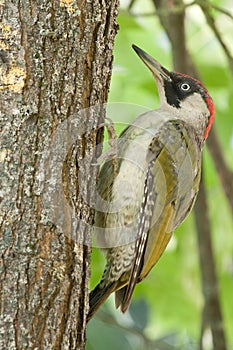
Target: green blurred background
x: 166, y: 311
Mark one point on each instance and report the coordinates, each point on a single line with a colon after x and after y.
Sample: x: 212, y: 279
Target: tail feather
x: 122, y: 299
x: 97, y: 296
x: 119, y: 299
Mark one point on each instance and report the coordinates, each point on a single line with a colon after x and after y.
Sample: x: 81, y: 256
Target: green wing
x: 170, y: 189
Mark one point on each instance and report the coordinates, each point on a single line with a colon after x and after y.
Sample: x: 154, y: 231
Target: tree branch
x: 206, y: 7
x: 212, y: 312
x: 173, y: 24
x: 159, y: 343
x: 224, y: 173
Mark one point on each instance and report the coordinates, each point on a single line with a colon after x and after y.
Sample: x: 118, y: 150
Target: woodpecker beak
x: 155, y: 67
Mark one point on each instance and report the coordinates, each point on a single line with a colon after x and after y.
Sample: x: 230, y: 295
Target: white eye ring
x: 185, y: 87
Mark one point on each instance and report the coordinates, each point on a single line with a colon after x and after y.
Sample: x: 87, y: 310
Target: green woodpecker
x: 154, y: 189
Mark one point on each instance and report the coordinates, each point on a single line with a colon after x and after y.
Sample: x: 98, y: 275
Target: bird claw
x: 111, y: 153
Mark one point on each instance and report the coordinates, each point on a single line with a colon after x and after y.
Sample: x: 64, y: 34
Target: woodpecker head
x: 182, y: 95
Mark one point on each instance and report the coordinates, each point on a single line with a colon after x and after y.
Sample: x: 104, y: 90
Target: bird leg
x: 111, y: 153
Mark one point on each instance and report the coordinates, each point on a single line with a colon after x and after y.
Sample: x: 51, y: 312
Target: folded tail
x: 97, y: 296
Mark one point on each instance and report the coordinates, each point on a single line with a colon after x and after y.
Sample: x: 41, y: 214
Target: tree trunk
x: 56, y: 59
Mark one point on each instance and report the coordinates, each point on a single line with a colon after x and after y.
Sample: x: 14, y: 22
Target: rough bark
x: 56, y: 59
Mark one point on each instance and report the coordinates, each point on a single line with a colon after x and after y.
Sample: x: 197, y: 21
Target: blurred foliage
x: 167, y: 306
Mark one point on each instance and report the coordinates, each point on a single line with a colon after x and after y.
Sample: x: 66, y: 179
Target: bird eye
x: 185, y: 87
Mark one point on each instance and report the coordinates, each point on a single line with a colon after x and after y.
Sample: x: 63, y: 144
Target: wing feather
x: 167, y: 153
x: 144, y: 222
